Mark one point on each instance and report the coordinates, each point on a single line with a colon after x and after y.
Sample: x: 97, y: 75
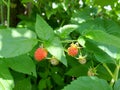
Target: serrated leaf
x: 23, y: 84
x: 64, y: 31
x: 88, y: 83
x: 14, y: 42
x: 117, y: 85
x: 43, y: 30
x: 103, y: 38
x: 23, y: 64
x: 6, y: 79
x: 56, y: 49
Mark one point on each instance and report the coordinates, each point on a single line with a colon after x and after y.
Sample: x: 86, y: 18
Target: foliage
x: 92, y: 25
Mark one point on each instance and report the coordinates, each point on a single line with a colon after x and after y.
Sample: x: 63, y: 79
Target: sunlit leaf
x: 56, y: 49
x: 6, y: 79
x: 14, y: 42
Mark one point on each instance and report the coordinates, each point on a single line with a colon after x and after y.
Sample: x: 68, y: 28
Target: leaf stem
x: 116, y: 72
x: 67, y: 41
x: 109, y: 71
x: 40, y: 40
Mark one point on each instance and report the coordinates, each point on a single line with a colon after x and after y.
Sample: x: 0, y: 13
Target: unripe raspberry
x: 72, y: 50
x: 54, y: 61
x: 82, y: 59
x: 40, y: 54
x: 92, y: 72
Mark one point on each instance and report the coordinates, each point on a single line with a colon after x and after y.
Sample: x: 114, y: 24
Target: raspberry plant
x: 80, y: 42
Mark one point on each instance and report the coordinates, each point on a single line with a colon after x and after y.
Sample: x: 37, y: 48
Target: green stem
x: 2, y: 17
x: 8, y: 13
x: 40, y: 40
x: 109, y: 71
x: 67, y: 41
x: 116, y: 73
x: 4, y: 2
x: 112, y: 82
x: 62, y: 23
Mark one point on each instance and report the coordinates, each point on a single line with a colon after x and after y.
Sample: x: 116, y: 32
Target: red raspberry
x: 40, y: 54
x: 72, y: 50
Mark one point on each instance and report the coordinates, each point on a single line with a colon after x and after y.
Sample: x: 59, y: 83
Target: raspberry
x: 54, y: 61
x: 82, y: 59
x: 40, y: 54
x: 72, y: 50
x: 92, y: 71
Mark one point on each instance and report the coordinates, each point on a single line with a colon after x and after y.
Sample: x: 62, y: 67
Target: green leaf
x: 117, y: 85
x: 64, y: 31
x: 50, y: 12
x: 42, y: 84
x: 112, y: 27
x: 100, y: 55
x: 58, y: 79
x: 14, y: 42
x: 88, y: 83
x: 23, y: 64
x: 103, y: 73
x: 23, y: 84
x: 72, y: 61
x: 81, y: 41
x: 26, y: 1
x: 43, y: 30
x: 109, y: 26
x: 1, y: 3
x: 56, y: 49
x: 105, y: 3
x: 6, y: 79
x: 83, y: 15
x: 77, y: 71
x: 110, y: 50
x: 96, y: 24
x: 103, y: 38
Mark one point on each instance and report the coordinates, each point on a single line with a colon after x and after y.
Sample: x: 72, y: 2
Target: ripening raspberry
x: 40, y: 54
x: 72, y: 50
